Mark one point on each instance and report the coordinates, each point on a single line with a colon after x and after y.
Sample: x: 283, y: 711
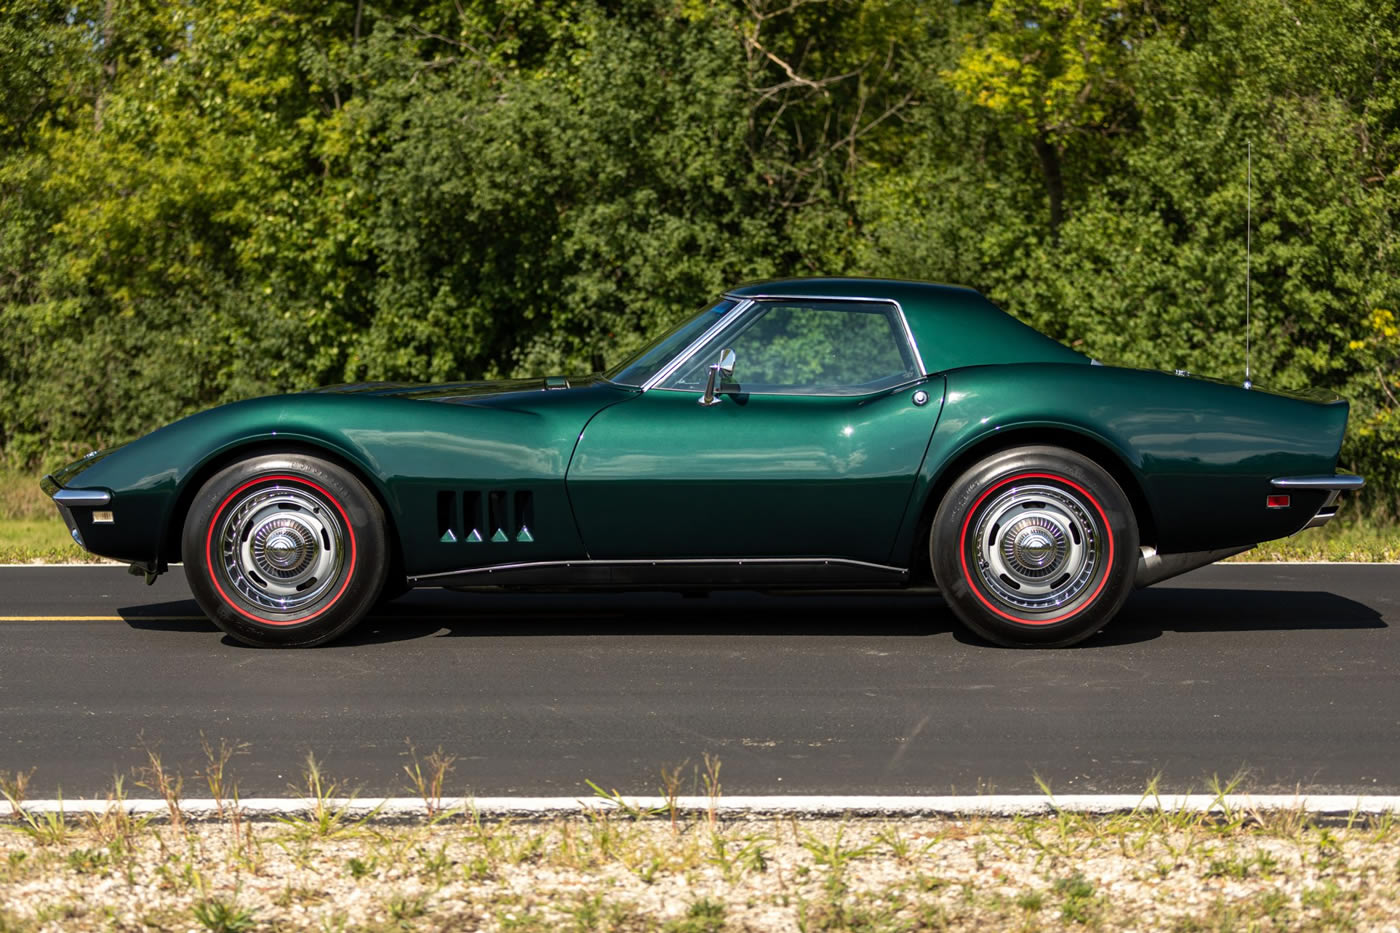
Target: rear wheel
x: 285, y: 550
x: 1035, y: 546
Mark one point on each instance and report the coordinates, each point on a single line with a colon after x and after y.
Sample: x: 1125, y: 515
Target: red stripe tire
x: 285, y: 550
x: 1035, y: 546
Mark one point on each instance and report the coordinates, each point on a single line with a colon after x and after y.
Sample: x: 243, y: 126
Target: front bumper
x: 1335, y: 485
x: 73, y: 503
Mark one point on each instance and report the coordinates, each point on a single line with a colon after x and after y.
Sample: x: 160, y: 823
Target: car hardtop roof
x: 851, y: 287
x: 952, y: 326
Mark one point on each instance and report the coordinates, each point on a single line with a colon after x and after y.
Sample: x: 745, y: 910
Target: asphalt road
x: 1287, y: 672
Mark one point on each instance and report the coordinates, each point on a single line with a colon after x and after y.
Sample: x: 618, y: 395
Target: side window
x: 786, y: 347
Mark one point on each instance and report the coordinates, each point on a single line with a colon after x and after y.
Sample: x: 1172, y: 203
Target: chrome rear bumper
x: 1337, y: 483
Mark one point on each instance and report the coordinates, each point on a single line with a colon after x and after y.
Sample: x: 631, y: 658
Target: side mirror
x: 724, y: 368
x: 726, y: 362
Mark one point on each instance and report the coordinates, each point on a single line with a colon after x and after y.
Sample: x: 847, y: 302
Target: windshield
x: 650, y: 361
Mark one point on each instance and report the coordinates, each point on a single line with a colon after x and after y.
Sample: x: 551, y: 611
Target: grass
x: 30, y: 529
x: 1344, y: 538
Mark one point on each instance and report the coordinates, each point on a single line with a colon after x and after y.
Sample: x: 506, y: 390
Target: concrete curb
x: 1002, y: 805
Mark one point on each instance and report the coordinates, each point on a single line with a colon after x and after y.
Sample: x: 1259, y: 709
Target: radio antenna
x: 1248, y: 224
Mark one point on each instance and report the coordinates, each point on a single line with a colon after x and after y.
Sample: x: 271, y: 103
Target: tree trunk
x: 109, y: 62
x: 1054, y: 182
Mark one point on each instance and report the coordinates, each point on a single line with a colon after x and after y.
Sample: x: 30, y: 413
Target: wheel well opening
x: 170, y: 550
x: 1098, y: 452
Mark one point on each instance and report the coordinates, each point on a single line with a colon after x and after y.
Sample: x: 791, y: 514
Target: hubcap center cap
x: 1035, y: 549
x: 284, y: 547
x: 282, y: 550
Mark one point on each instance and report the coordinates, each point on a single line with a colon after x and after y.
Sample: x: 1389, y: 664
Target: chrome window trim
x: 903, y: 318
x: 82, y: 497
x: 1336, y: 481
x: 729, y: 317
x: 747, y: 304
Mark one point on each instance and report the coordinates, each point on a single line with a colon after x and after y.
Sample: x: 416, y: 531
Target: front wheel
x: 1035, y: 546
x: 285, y: 550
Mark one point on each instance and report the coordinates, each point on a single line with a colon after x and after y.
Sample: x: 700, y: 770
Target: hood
x: 462, y: 393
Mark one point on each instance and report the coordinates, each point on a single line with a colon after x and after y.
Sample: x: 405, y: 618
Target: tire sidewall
x: 974, y: 490
x: 346, y: 602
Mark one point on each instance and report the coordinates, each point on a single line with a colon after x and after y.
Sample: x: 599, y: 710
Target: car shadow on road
x: 488, y: 615
x: 1147, y: 615
x: 1151, y: 612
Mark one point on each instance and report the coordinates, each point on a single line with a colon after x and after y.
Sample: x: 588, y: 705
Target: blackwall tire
x: 285, y: 550
x: 1035, y: 547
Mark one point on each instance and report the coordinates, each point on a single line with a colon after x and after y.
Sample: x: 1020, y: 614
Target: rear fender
x: 1202, y: 453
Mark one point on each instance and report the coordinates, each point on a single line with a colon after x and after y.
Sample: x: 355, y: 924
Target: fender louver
x: 499, y: 516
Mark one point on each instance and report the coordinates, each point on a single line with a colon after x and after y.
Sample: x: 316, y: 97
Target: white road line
x: 878, y: 805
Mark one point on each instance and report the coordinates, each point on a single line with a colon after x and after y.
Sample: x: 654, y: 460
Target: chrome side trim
x: 1335, y: 481
x: 724, y: 321
x: 903, y: 318
x: 485, y: 573
x: 83, y: 497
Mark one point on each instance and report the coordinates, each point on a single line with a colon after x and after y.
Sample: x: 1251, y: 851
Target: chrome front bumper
x: 68, y: 499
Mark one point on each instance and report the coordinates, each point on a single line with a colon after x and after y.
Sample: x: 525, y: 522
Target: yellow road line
x: 102, y: 618
x: 479, y: 617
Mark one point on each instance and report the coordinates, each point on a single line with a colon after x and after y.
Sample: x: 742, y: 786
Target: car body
x: 844, y: 441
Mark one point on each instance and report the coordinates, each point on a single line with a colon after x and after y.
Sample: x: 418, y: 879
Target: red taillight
x: 1276, y: 502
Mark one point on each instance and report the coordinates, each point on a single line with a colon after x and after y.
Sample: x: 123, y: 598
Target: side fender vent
x: 500, y: 516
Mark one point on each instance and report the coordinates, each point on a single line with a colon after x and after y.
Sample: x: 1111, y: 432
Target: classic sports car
x: 827, y: 433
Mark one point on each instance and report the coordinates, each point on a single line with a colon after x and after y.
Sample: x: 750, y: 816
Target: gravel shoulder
x: 609, y: 871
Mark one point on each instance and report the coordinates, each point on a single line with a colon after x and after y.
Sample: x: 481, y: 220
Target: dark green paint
x: 616, y: 473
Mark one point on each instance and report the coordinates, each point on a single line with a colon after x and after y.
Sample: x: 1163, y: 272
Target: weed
x: 1080, y: 905
x: 702, y: 916
x: 216, y: 764
x: 359, y: 868
x: 1031, y: 901
x: 435, y: 864
x: 87, y: 861
x: 614, y: 797
x: 833, y: 853
x: 115, y: 827
x: 734, y: 860
x: 712, y: 786
x: 49, y: 828
x: 671, y: 790
x: 428, y: 777
x: 155, y: 778
x: 220, y: 916
x: 403, y: 907
x: 327, y: 816
x: 1273, y: 904
x: 15, y: 788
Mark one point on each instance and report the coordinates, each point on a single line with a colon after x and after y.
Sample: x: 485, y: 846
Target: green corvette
x: 807, y: 433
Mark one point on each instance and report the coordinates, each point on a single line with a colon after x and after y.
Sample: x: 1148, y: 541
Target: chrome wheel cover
x: 1036, y: 548
x: 281, y: 548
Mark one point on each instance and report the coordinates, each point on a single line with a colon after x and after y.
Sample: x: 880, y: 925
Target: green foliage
x: 211, y: 200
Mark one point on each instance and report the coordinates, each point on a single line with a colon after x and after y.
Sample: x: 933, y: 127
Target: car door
x: 810, y: 449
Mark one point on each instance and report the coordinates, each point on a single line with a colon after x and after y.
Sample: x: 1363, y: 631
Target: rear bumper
x: 1335, y: 484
